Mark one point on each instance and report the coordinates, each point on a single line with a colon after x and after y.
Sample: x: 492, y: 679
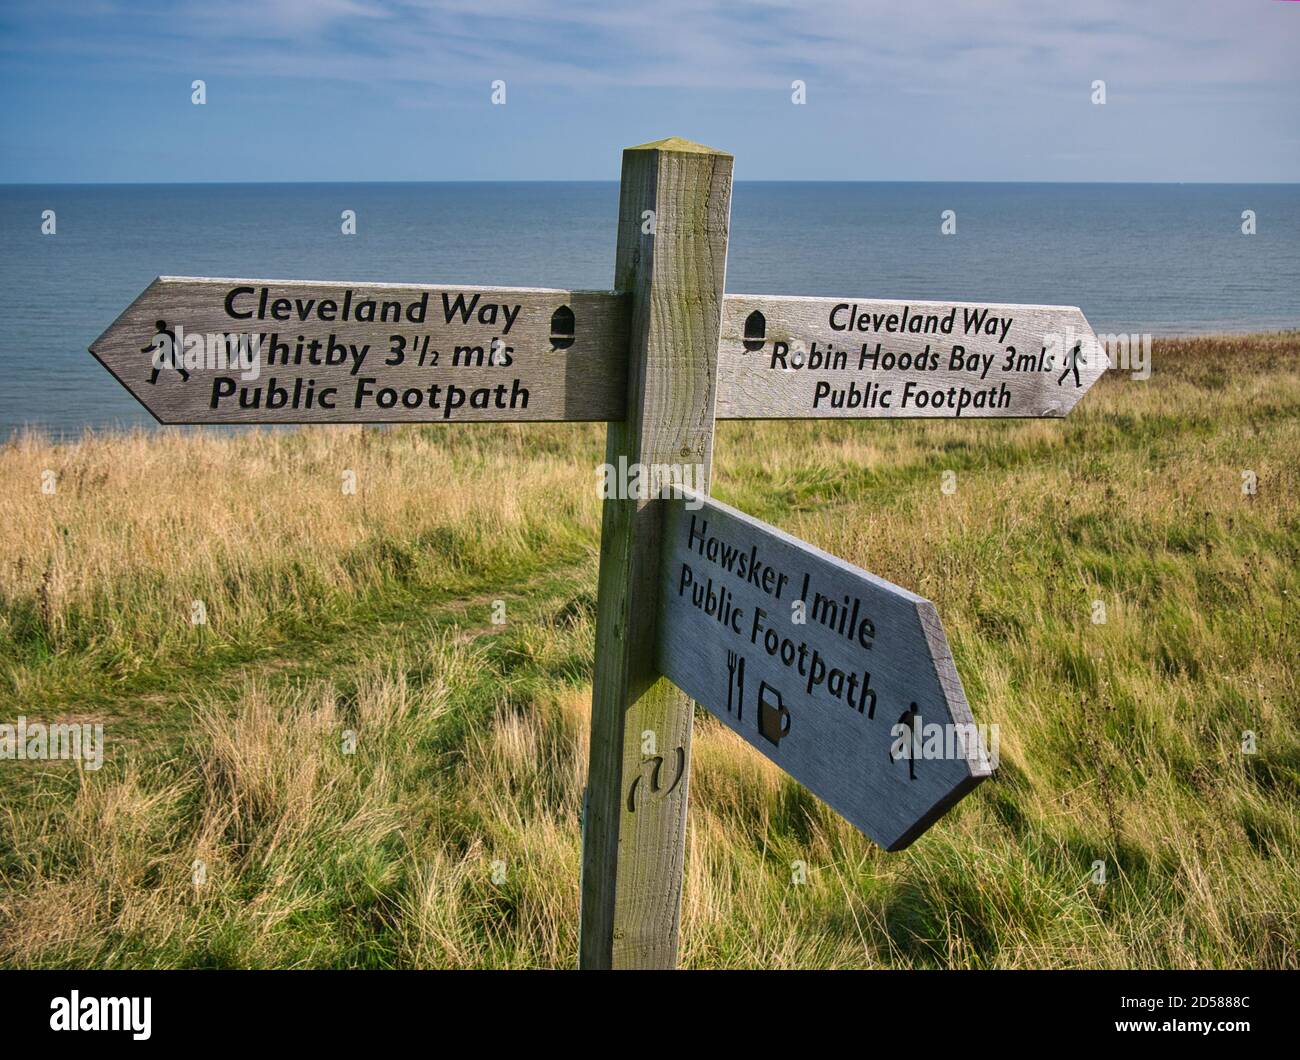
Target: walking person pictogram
x: 164, y: 332
x: 1072, y: 365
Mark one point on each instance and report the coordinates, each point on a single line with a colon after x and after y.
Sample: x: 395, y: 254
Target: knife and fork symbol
x: 736, y: 683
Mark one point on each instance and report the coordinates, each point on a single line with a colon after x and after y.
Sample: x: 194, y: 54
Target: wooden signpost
x: 818, y: 358
x: 401, y: 353
x: 834, y: 674
x: 842, y: 679
x: 367, y: 353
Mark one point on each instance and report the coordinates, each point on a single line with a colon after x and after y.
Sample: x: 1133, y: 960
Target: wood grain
x: 1013, y: 375
x: 585, y: 380
x: 1023, y: 369
x: 634, y: 825
x: 729, y: 589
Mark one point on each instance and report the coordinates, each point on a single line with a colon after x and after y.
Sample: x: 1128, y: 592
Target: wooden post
x: 674, y: 210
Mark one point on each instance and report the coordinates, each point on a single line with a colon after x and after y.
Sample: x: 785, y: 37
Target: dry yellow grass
x: 450, y: 838
x: 138, y: 527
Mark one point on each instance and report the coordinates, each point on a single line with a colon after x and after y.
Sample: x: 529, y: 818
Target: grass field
x: 1121, y: 742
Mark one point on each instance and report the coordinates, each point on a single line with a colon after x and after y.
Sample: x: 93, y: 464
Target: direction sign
x: 273, y: 351
x: 814, y: 358
x: 841, y: 678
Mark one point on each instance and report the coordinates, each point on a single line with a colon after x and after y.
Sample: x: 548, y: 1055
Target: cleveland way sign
x: 842, y: 679
x: 269, y: 351
x: 272, y: 351
x: 814, y: 358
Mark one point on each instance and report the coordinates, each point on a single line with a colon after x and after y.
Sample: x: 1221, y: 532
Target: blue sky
x: 1197, y: 90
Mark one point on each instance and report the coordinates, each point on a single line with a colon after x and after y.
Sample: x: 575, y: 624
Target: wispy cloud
x: 1195, y: 87
x: 964, y: 45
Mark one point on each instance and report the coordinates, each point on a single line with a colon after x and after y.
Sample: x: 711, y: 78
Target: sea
x: 1138, y: 259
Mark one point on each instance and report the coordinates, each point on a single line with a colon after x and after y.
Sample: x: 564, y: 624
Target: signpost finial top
x: 678, y: 145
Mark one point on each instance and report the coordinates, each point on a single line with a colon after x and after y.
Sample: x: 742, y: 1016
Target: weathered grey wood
x: 1019, y: 366
x: 729, y: 589
x: 506, y: 358
x: 634, y: 829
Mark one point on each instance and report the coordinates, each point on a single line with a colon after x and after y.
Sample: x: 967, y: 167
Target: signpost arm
x: 674, y: 211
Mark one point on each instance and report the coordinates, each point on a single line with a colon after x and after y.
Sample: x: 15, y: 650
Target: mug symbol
x: 773, y: 715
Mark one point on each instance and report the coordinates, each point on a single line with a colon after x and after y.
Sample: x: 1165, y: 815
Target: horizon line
x: 615, y: 181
